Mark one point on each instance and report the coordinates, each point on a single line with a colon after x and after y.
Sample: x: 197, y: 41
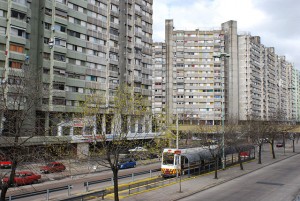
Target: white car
x: 138, y: 149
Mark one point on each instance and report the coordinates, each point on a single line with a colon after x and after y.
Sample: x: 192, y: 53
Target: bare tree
x: 236, y: 139
x: 19, y: 95
x: 258, y: 131
x: 125, y: 111
x: 213, y: 144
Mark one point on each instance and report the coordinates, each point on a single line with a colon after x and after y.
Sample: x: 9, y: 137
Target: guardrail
x: 85, y: 184
x: 83, y: 196
x: 47, y: 192
x: 88, y: 183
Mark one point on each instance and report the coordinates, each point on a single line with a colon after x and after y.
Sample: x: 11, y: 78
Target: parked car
x: 126, y: 163
x: 279, y: 144
x: 244, y: 154
x: 5, y: 164
x: 24, y: 178
x: 138, y: 149
x: 53, y: 167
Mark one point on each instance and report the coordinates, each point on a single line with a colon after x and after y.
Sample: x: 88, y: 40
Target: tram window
x: 168, y: 159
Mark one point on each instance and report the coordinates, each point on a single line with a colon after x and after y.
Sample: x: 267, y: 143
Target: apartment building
x: 192, y: 72
x: 76, y: 48
x: 187, y: 79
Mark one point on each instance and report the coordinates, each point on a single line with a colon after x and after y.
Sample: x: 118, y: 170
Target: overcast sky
x: 277, y: 22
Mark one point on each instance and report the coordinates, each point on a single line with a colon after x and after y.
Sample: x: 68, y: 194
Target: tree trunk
x: 240, y: 162
x: 272, y: 148
x: 116, y: 184
x: 293, y: 145
x: 216, y: 167
x: 259, y: 154
x: 4, y: 187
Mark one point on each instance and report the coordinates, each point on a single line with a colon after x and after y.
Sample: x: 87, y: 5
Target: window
x: 16, y: 48
x: 113, y: 56
x: 46, y: 56
x: 15, y: 64
x: 59, y: 27
x: 48, y: 11
x: 23, y: 2
x: 46, y: 40
x: 61, y: 13
x: 75, y: 89
x: 62, y: 1
x: 138, y: 40
x: 114, y: 8
x: 18, y: 15
x: 47, y: 26
x: 114, y: 31
x: 2, y: 13
x: 18, y: 32
x: 13, y: 80
x: 74, y: 33
x: 60, y: 42
x: 58, y: 101
x: 114, y: 20
x: 59, y: 57
x: 59, y: 86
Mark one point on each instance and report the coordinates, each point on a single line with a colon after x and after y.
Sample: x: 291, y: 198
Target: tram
x: 181, y: 161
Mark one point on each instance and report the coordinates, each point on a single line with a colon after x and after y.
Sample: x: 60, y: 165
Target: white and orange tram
x: 180, y: 161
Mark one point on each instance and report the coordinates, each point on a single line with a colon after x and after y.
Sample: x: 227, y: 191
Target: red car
x: 5, y: 164
x: 53, y: 167
x: 24, y: 178
x: 244, y: 154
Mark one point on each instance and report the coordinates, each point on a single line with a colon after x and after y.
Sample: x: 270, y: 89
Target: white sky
x: 277, y: 22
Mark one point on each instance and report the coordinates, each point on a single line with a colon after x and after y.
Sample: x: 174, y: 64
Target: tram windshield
x: 168, y: 159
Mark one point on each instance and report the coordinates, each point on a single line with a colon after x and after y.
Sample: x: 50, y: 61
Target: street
x: 278, y: 182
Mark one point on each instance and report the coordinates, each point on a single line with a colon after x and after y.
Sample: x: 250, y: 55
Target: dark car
x: 280, y: 144
x: 24, y: 178
x: 126, y: 163
x: 53, y: 167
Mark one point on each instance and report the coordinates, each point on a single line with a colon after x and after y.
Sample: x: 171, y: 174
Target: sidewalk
x: 196, y: 184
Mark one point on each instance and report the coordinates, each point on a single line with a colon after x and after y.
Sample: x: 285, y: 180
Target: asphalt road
x: 277, y: 182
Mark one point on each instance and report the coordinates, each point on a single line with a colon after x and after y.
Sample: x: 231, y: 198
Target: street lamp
x: 222, y: 55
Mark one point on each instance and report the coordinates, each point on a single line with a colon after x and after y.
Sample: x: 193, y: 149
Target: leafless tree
x: 236, y: 139
x: 19, y: 95
x: 124, y: 112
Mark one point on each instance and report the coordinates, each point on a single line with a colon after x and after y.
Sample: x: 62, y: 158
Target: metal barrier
x: 47, y: 192
x: 85, y: 184
x: 87, y: 195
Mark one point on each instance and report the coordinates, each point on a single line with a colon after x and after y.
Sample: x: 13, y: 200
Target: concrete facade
x: 258, y: 83
x: 77, y: 48
x: 187, y: 78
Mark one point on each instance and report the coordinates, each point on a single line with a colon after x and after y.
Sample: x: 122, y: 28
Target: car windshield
x: 168, y: 159
x: 50, y: 165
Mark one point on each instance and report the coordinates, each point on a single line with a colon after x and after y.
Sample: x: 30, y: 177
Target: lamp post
x: 222, y: 55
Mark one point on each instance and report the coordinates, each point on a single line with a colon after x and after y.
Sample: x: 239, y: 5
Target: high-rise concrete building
x: 76, y: 48
x: 191, y: 72
x: 187, y: 79
x: 265, y: 81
